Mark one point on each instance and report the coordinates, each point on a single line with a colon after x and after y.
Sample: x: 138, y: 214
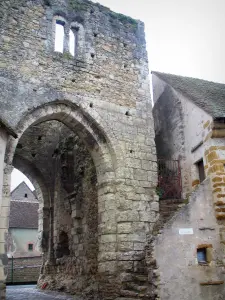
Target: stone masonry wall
x: 25, y: 269
x: 102, y: 94
x: 4, y: 221
x: 75, y: 220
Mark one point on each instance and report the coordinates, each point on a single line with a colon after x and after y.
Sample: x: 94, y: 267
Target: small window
x: 202, y: 256
x: 201, y: 170
x: 59, y: 36
x: 72, y: 41
x: 30, y: 247
x: 25, y: 195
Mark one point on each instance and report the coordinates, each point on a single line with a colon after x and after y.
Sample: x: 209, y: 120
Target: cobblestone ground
x: 30, y: 292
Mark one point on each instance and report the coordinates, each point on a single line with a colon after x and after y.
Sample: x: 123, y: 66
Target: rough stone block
x: 125, y: 227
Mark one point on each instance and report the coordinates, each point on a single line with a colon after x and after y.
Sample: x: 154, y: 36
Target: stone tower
x: 75, y: 90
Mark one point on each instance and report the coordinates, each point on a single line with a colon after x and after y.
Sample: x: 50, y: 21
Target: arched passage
x: 75, y: 173
x: 88, y: 129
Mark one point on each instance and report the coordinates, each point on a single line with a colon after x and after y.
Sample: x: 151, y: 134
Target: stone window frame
x: 195, y: 173
x: 59, y: 19
x: 79, y: 33
x: 208, y: 250
x: 201, y: 169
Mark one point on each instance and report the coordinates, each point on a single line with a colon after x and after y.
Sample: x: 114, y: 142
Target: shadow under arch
x: 90, y: 128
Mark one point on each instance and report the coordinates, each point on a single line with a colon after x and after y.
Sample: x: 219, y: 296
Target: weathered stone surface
x: 85, y: 138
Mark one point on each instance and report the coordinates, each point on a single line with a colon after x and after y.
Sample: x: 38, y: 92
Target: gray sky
x: 184, y: 37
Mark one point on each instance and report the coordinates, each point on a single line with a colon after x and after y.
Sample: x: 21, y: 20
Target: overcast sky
x: 184, y: 37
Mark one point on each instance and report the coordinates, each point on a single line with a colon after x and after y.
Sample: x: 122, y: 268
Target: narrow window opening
x: 72, y: 41
x: 25, y: 195
x: 202, y: 256
x: 30, y: 247
x: 63, y: 245
x: 201, y: 170
x: 59, y: 36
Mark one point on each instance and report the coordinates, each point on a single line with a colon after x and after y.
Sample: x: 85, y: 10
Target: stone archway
x: 123, y: 208
x: 100, y: 150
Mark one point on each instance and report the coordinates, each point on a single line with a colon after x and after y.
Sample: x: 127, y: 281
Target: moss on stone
x: 124, y: 19
x: 186, y: 201
x: 79, y: 6
x: 67, y: 55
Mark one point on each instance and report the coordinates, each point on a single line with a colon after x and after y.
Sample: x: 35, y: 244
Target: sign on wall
x: 183, y: 231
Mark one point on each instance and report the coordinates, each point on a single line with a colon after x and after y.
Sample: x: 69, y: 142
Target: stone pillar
x: 5, y: 173
x: 214, y: 159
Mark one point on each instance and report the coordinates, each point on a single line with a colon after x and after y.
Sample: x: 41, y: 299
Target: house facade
x: 189, y: 119
x: 23, y: 223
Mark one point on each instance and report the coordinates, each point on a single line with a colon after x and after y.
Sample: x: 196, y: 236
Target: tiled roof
x: 23, y: 214
x: 23, y: 193
x: 208, y: 95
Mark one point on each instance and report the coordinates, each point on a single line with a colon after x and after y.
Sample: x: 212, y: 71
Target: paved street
x: 29, y: 292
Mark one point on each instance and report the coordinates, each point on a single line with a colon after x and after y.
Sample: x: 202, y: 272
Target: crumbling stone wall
x: 75, y: 220
x: 101, y: 94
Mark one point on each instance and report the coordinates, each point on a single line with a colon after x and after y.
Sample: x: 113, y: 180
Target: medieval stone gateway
x: 78, y: 124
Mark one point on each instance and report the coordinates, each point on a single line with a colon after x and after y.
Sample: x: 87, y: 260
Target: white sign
x: 186, y: 231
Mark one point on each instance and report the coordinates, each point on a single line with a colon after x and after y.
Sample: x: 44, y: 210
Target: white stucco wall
x: 181, y: 276
x: 194, y: 119
x: 21, y: 237
x: 158, y: 87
